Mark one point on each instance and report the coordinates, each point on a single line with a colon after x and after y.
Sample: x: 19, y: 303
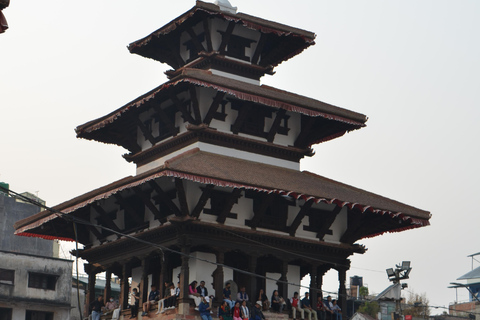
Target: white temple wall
x: 271, y: 285
x: 221, y: 151
x: 136, y: 276
x: 201, y: 270
x: 338, y: 227
x: 293, y: 276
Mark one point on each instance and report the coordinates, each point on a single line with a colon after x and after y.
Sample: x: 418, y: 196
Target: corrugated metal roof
x: 474, y: 274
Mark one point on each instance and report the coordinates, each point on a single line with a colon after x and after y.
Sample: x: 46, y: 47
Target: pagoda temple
x: 218, y: 193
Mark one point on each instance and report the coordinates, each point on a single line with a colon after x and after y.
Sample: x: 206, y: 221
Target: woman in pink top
x: 193, y: 294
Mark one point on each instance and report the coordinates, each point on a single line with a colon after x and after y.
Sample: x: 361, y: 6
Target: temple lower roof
x: 227, y: 172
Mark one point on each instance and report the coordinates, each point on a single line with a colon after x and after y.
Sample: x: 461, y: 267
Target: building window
x: 7, y: 276
x: 5, y: 314
x: 42, y: 281
x: 38, y: 315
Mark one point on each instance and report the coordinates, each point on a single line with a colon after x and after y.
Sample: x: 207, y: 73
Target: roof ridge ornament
x: 226, y: 6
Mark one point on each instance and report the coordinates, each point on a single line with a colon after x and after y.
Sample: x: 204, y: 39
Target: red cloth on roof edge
x: 3, y: 23
x: 44, y: 236
x: 415, y: 222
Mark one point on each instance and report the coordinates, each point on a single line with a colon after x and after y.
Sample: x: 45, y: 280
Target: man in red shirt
x: 297, y: 306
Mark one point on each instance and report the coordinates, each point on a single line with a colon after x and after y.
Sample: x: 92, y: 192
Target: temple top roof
x: 279, y: 43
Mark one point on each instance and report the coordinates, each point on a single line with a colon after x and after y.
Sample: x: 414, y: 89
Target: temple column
x: 320, y: 273
x: 107, y: 292
x: 143, y: 286
x: 183, y: 302
x: 313, y: 284
x: 252, y: 288
x: 218, y: 276
x: 90, y: 296
x: 342, y: 290
x: 124, y: 286
x: 282, y: 284
x: 163, y: 274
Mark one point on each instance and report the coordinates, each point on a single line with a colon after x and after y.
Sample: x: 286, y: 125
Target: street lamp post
x: 401, y: 272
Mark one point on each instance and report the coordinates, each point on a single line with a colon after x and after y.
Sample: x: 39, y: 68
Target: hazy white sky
x: 411, y: 66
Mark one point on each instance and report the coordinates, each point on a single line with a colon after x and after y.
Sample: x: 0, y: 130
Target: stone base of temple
x: 189, y: 314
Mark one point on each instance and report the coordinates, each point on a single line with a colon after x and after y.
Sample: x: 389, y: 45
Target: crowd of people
x: 231, y: 308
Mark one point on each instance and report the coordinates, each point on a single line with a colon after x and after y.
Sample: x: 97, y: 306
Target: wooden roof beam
x: 327, y: 222
x: 202, y: 201
x: 208, y: 37
x: 231, y: 200
x: 174, y: 46
x: 260, y: 212
x: 195, y: 104
x: 180, y: 106
x: 259, y: 49
x: 127, y: 208
x: 182, y: 197
x: 305, y: 131
x: 214, y: 107
x: 96, y: 233
x: 198, y: 45
x: 103, y: 215
x: 150, y: 205
x: 166, y: 121
x: 226, y: 37
x: 147, y: 134
x: 363, y: 223
x: 166, y: 199
x: 276, y: 124
x: 298, y: 219
x: 242, y: 116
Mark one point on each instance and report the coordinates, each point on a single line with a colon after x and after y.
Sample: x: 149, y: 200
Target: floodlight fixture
x: 405, y: 265
x: 390, y: 272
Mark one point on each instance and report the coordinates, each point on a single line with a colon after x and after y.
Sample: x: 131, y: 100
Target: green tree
x: 417, y: 305
x: 363, y: 292
x: 370, y: 307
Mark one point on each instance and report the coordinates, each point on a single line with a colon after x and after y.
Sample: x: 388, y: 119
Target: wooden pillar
x: 144, y: 281
x: 90, y: 296
x: 252, y: 288
x: 342, y: 290
x: 163, y: 274
x: 107, y: 292
x: 218, y: 276
x: 282, y: 284
x: 313, y: 284
x: 320, y: 273
x: 183, y: 304
x: 124, y: 286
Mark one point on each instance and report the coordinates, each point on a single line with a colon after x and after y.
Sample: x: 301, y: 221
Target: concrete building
x: 34, y: 282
